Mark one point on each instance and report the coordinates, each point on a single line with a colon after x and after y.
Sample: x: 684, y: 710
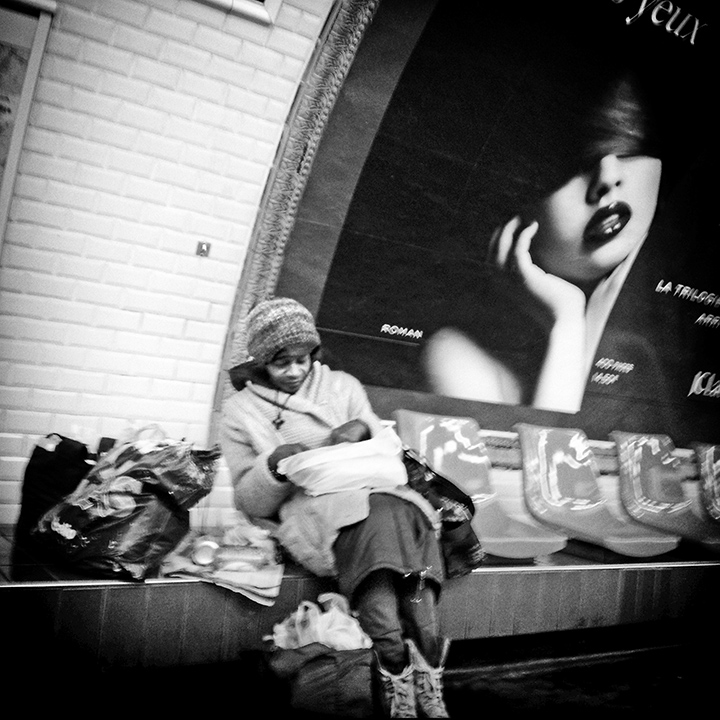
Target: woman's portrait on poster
x: 571, y: 250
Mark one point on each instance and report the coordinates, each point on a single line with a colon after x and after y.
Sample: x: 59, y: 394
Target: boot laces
x: 429, y: 693
x: 400, y: 694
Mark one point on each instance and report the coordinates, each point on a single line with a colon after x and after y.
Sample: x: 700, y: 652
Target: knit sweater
x: 308, y: 526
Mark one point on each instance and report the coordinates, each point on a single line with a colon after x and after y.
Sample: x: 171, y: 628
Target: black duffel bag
x: 54, y: 470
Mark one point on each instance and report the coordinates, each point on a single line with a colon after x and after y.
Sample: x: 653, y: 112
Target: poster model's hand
x: 510, y: 251
x: 561, y: 380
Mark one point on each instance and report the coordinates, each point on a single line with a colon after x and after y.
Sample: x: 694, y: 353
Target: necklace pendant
x: 278, y: 421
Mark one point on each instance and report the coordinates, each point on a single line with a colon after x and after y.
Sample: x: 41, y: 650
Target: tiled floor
x: 639, y: 682
x: 603, y: 674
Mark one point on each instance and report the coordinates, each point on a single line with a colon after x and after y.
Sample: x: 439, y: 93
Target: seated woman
x: 380, y: 544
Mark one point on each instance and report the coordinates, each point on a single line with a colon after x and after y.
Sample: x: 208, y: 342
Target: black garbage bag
x: 131, y: 510
x: 461, y: 549
x: 326, y: 681
x: 55, y: 469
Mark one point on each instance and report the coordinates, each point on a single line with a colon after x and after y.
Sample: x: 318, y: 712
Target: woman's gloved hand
x: 351, y: 431
x: 280, y: 452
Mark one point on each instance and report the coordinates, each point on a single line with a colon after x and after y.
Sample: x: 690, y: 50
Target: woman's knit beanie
x: 277, y: 323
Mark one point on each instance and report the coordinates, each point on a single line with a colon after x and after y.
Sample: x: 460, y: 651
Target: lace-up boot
x: 428, y: 681
x: 397, y: 692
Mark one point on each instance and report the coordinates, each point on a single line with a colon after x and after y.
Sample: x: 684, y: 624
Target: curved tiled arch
x: 318, y: 91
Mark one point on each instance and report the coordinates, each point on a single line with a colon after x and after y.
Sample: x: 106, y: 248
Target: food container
x: 204, y: 551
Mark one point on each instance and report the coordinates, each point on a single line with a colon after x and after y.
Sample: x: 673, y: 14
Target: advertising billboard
x: 514, y: 206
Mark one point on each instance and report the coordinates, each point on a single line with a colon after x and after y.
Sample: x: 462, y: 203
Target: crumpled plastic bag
x: 131, y: 509
x: 331, y: 623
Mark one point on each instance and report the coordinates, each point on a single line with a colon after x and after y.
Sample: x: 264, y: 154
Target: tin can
x: 204, y: 550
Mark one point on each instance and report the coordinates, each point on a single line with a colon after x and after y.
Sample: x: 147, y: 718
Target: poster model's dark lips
x: 607, y: 222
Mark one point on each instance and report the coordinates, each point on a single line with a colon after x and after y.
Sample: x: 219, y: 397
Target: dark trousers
x: 391, y: 607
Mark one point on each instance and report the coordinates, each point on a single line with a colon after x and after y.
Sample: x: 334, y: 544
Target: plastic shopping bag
x: 333, y: 626
x: 325, y: 658
x: 130, y: 510
x: 461, y: 549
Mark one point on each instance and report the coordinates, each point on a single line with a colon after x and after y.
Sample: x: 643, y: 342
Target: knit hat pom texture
x: 278, y: 323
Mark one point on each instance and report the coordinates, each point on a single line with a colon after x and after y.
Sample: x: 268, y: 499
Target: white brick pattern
x: 154, y: 126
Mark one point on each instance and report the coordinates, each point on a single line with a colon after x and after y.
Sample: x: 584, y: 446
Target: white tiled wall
x: 154, y: 127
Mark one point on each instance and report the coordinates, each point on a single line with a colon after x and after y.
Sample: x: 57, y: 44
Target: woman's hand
x: 510, y: 251
x: 283, y: 451
x: 351, y: 431
x: 561, y: 382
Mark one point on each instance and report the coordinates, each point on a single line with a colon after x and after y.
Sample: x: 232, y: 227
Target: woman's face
x: 289, y: 368
x: 591, y: 224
